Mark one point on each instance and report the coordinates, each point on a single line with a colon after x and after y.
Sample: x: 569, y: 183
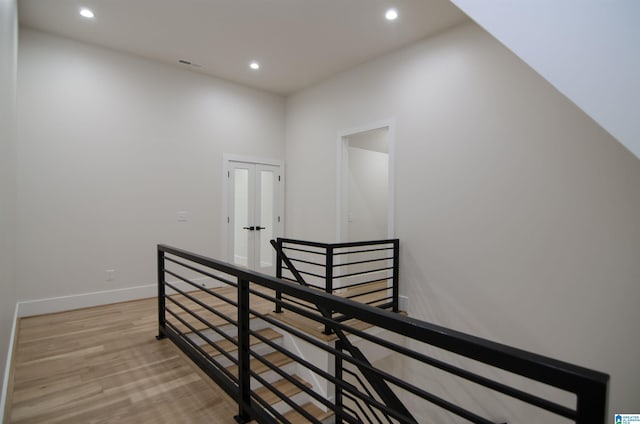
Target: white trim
x: 50, y: 305
x: 84, y: 300
x: 229, y: 157
x: 341, y: 189
x: 342, y: 170
x: 7, y: 365
x: 391, y: 212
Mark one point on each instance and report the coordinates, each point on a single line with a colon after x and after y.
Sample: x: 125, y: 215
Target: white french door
x: 255, y: 203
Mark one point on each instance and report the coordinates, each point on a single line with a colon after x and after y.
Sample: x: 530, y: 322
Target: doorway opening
x: 366, y: 183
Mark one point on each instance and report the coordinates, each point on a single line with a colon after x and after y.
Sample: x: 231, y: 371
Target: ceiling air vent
x: 189, y: 63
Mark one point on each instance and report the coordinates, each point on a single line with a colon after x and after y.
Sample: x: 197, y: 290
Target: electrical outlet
x: 110, y: 275
x: 183, y: 216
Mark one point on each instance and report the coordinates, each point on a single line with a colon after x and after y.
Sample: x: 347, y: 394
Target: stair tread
x: 358, y: 290
x: 295, y: 417
x: 228, y: 346
x: 278, y: 359
x: 313, y: 327
x: 213, y: 302
x: 287, y: 388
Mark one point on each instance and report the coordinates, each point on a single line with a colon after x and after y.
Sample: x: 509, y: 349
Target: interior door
x: 255, y: 214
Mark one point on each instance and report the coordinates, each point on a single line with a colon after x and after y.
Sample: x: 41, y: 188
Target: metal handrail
x: 589, y: 386
x: 389, y: 398
x: 325, y: 262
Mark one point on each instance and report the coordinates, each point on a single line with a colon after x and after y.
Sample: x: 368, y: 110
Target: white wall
x: 517, y: 214
x: 8, y: 52
x: 588, y: 49
x: 109, y: 148
x: 368, y: 194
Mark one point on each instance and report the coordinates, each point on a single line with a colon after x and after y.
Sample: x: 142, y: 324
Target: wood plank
x: 286, y: 387
x: 316, y: 329
x: 228, y: 346
x: 313, y: 327
x: 278, y: 359
x: 229, y: 310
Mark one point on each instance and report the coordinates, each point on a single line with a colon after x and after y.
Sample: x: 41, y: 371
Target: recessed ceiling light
x: 254, y: 65
x: 391, y: 15
x: 87, y: 13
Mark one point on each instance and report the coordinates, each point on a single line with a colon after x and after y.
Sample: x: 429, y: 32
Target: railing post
x: 161, y: 293
x: 244, y: 375
x: 396, y: 269
x: 278, y: 275
x: 338, y: 388
x: 328, y: 279
x: 591, y: 405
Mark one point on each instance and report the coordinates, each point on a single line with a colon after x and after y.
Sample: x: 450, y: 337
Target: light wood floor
x: 104, y: 365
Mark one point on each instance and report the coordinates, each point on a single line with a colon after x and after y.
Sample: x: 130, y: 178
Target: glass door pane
x: 241, y: 217
x: 266, y: 221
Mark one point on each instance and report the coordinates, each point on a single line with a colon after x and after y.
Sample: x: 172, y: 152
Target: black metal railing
x: 378, y: 384
x: 433, y: 370
x: 365, y: 271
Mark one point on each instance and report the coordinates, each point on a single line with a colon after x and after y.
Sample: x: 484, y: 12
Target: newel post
x: 161, y: 293
x: 244, y: 372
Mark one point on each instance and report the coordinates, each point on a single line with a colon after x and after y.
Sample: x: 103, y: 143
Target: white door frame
x: 226, y: 159
x: 343, y: 176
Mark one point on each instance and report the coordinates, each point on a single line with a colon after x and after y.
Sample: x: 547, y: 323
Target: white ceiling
x: 297, y: 42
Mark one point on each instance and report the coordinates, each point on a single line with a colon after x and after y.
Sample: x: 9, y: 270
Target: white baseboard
x: 240, y: 260
x: 28, y: 308
x: 403, y: 303
x: 7, y: 365
x: 50, y: 305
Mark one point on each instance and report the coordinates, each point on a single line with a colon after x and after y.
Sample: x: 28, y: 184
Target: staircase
x: 264, y: 331
x: 266, y: 376
x: 286, y: 367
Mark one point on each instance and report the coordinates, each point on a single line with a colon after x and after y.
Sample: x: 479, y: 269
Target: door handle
x: 249, y: 228
x: 260, y: 228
